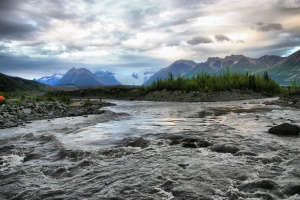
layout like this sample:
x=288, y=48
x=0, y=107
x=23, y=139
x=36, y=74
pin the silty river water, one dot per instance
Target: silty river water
x=216, y=150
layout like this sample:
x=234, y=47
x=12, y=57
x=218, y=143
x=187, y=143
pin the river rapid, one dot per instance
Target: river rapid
x=215, y=150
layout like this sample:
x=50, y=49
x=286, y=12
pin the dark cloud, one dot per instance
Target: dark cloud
x=25, y=19
x=12, y=23
x=288, y=6
x=269, y=27
x=16, y=30
x=222, y=38
x=199, y=40
x=280, y=48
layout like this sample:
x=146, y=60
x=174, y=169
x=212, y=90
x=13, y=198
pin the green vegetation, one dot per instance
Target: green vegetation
x=50, y=97
x=18, y=97
x=14, y=84
x=88, y=102
x=294, y=88
x=3, y=102
x=226, y=81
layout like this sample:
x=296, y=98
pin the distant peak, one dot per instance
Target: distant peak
x=188, y=62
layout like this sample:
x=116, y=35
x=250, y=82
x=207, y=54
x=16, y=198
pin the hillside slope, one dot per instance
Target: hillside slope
x=11, y=84
x=178, y=67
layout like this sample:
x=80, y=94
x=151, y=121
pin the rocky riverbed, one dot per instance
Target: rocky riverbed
x=287, y=101
x=13, y=115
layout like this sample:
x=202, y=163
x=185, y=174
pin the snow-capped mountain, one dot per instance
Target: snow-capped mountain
x=50, y=80
x=107, y=78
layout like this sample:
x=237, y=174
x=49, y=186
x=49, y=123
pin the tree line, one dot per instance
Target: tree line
x=226, y=81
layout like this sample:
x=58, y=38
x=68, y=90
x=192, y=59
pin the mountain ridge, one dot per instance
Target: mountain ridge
x=281, y=69
x=80, y=77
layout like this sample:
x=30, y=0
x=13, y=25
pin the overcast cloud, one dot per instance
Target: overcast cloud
x=39, y=38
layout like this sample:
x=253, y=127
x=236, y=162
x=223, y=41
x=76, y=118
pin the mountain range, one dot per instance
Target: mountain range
x=50, y=80
x=80, y=77
x=281, y=69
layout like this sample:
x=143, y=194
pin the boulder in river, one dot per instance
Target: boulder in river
x=224, y=148
x=285, y=129
x=140, y=142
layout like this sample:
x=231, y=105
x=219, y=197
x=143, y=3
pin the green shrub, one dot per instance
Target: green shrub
x=88, y=102
x=294, y=88
x=39, y=98
x=17, y=102
x=65, y=99
x=49, y=97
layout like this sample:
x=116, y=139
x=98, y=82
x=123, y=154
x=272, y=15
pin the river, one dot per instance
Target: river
x=89, y=157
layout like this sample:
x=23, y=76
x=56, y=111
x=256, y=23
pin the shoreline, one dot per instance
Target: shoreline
x=12, y=115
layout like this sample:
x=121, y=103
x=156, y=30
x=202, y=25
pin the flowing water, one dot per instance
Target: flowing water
x=89, y=158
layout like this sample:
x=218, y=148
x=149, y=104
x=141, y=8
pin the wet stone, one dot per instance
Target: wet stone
x=285, y=129
x=11, y=124
x=189, y=145
x=168, y=186
x=184, y=166
x=223, y=148
x=292, y=190
x=203, y=143
x=263, y=184
x=174, y=142
x=140, y=142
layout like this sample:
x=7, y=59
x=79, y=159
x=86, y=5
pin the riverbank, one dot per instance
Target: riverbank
x=141, y=94
x=287, y=101
x=195, y=96
x=13, y=115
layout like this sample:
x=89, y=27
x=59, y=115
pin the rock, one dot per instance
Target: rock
x=140, y=142
x=189, y=145
x=32, y=156
x=6, y=115
x=27, y=111
x=285, y=129
x=1, y=118
x=168, y=185
x=190, y=140
x=183, y=165
x=223, y=148
x=203, y=143
x=263, y=184
x=175, y=142
x=11, y=124
x=292, y=190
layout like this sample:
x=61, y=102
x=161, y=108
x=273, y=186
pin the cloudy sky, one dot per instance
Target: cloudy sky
x=39, y=38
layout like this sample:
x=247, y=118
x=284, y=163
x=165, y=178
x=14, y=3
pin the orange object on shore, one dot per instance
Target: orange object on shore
x=2, y=98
